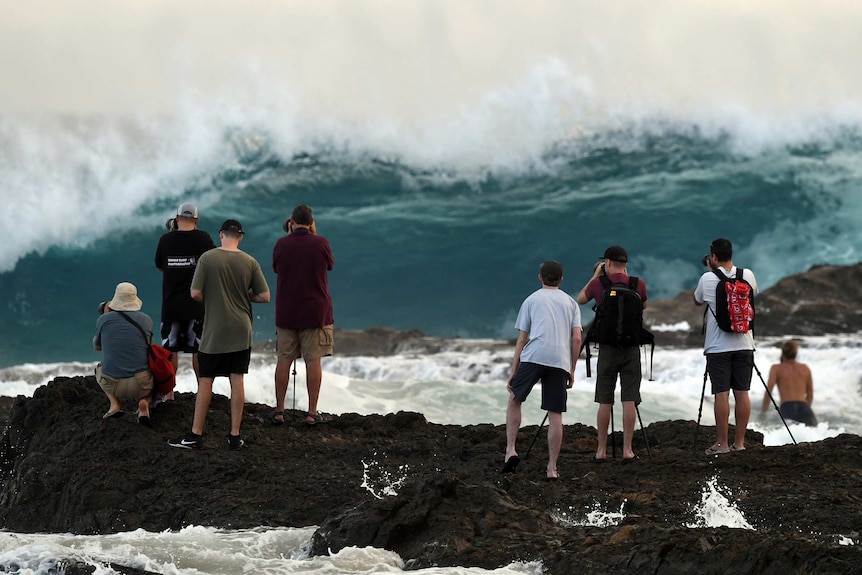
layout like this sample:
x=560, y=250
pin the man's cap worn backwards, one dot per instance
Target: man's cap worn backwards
x=232, y=226
x=187, y=210
x=615, y=254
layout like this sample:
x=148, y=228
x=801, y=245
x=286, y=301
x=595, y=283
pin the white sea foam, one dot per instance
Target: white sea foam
x=470, y=387
x=716, y=509
x=204, y=550
x=594, y=516
x=132, y=126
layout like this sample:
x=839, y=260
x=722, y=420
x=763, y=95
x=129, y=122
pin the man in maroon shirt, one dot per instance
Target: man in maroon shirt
x=303, y=309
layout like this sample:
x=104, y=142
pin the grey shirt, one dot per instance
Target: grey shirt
x=124, y=351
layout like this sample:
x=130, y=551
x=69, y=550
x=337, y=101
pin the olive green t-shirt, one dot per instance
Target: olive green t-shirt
x=226, y=278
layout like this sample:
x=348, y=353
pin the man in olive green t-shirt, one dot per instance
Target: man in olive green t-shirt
x=227, y=281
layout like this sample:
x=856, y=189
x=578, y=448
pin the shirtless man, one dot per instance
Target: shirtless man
x=795, y=386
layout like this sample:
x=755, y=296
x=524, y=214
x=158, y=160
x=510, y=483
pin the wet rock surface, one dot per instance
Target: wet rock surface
x=432, y=493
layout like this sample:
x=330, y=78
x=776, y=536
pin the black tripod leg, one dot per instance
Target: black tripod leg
x=766, y=387
x=643, y=431
x=526, y=455
x=700, y=410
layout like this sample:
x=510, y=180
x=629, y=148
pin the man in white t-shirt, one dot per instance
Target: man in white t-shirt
x=549, y=341
x=729, y=356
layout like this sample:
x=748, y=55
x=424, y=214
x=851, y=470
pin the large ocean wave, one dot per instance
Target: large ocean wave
x=445, y=161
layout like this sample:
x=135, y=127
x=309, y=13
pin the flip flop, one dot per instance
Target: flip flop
x=511, y=464
x=713, y=451
x=627, y=460
x=113, y=414
x=315, y=418
x=273, y=415
x=599, y=459
x=735, y=448
x=145, y=420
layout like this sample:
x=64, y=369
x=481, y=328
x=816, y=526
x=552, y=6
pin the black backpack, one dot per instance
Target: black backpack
x=734, y=303
x=619, y=319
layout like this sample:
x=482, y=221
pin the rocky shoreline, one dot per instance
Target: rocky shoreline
x=64, y=469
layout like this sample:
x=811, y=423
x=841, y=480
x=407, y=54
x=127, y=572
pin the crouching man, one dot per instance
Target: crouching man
x=124, y=371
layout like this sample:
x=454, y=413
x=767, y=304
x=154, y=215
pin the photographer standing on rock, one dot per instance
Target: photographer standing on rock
x=617, y=359
x=549, y=341
x=227, y=281
x=303, y=309
x=729, y=354
x=176, y=257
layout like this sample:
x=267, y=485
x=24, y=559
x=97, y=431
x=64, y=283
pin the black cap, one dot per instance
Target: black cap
x=615, y=254
x=232, y=226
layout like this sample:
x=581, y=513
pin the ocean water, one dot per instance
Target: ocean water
x=447, y=148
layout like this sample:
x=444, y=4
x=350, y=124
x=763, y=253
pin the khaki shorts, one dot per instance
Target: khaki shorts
x=136, y=387
x=308, y=343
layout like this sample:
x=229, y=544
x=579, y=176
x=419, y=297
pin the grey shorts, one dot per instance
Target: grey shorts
x=614, y=362
x=553, y=380
x=309, y=343
x=730, y=370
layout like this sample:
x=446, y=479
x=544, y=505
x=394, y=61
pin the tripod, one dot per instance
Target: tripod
x=643, y=432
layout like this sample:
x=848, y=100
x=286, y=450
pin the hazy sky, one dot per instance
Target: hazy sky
x=366, y=57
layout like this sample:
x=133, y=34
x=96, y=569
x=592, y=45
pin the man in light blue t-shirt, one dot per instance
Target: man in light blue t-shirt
x=549, y=341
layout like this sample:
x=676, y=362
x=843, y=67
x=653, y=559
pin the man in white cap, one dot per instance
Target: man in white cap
x=176, y=257
x=124, y=371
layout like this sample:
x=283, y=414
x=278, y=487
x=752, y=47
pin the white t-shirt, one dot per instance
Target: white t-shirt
x=548, y=316
x=718, y=340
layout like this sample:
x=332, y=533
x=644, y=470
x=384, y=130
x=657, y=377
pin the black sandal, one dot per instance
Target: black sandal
x=273, y=415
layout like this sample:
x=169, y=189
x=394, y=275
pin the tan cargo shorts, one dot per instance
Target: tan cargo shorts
x=308, y=343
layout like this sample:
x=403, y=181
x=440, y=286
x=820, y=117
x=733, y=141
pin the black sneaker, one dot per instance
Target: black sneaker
x=188, y=441
x=235, y=441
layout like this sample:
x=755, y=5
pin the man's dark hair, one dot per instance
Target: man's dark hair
x=302, y=215
x=722, y=249
x=551, y=272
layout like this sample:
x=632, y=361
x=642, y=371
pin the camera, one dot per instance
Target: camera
x=705, y=261
x=171, y=225
x=101, y=307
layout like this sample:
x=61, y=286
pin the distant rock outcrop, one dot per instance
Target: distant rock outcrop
x=432, y=493
x=826, y=299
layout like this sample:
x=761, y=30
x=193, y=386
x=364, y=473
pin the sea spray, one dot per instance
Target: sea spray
x=595, y=515
x=716, y=509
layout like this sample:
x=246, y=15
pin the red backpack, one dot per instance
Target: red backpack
x=734, y=303
x=159, y=358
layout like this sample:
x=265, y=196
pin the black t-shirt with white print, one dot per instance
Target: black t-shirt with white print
x=177, y=255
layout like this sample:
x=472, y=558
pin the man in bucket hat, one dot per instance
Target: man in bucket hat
x=124, y=371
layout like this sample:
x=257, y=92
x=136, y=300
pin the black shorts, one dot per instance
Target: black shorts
x=554, y=382
x=183, y=335
x=730, y=370
x=223, y=364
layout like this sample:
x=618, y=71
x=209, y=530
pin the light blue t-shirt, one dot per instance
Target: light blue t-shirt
x=124, y=351
x=718, y=340
x=549, y=316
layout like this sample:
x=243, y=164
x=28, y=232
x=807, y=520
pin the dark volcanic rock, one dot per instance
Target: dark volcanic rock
x=824, y=300
x=432, y=493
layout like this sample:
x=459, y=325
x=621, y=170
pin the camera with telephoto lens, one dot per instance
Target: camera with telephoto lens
x=101, y=307
x=171, y=225
x=705, y=261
